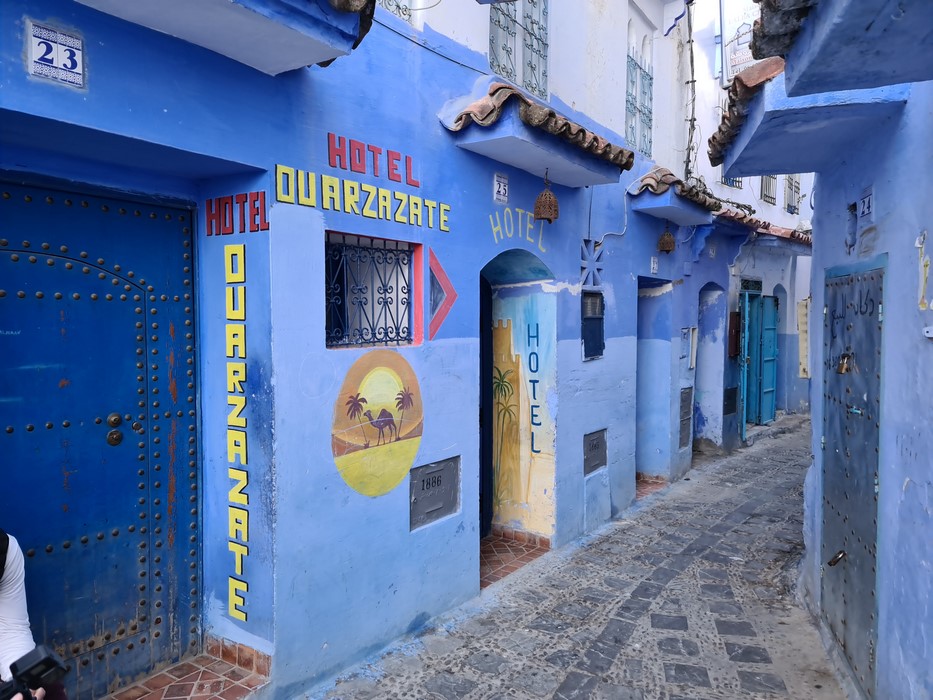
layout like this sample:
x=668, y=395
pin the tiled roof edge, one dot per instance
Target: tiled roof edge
x=741, y=90
x=761, y=226
x=660, y=179
x=487, y=110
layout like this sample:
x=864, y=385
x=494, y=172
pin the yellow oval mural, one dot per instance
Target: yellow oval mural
x=378, y=419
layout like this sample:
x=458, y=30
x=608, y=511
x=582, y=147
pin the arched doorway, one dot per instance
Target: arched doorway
x=518, y=337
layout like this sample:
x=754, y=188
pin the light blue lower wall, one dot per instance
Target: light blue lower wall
x=594, y=395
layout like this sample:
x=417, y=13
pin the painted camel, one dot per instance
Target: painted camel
x=385, y=420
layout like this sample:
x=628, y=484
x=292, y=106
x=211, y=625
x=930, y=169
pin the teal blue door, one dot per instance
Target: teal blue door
x=767, y=385
x=99, y=434
x=758, y=360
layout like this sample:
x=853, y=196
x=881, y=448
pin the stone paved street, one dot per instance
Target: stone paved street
x=688, y=596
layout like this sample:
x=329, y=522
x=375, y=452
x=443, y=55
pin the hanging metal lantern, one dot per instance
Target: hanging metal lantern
x=666, y=242
x=546, y=203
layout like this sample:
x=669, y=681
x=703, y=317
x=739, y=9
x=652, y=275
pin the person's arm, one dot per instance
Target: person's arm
x=37, y=694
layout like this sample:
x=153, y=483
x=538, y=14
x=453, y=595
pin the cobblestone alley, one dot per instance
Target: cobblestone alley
x=690, y=595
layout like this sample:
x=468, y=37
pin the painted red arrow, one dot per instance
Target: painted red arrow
x=450, y=294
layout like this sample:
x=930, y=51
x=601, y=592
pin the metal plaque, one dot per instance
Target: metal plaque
x=686, y=415
x=730, y=400
x=594, y=451
x=435, y=491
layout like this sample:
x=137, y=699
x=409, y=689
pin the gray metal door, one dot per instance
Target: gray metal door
x=851, y=406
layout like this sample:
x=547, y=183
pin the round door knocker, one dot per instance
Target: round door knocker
x=114, y=419
x=114, y=437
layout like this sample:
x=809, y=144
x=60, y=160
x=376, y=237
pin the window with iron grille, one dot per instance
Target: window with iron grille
x=518, y=43
x=592, y=325
x=769, y=188
x=638, y=104
x=792, y=194
x=735, y=182
x=367, y=291
x=399, y=9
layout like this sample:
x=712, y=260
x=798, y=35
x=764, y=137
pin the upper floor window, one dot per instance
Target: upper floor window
x=730, y=181
x=769, y=189
x=368, y=291
x=518, y=43
x=639, y=84
x=792, y=194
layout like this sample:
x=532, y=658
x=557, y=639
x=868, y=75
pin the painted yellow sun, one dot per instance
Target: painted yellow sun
x=378, y=419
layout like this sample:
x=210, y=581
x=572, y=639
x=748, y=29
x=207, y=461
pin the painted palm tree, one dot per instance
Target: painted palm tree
x=355, y=404
x=502, y=392
x=403, y=401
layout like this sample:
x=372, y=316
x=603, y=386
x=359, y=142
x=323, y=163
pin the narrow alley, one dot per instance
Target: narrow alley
x=689, y=595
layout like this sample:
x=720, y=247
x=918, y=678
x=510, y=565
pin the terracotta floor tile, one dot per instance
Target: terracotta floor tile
x=235, y=692
x=183, y=669
x=134, y=693
x=220, y=667
x=254, y=681
x=159, y=681
x=178, y=690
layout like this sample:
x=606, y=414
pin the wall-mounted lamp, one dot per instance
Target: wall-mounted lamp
x=546, y=203
x=666, y=242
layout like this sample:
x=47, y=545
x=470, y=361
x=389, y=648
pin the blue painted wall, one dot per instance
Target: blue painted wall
x=331, y=574
x=905, y=499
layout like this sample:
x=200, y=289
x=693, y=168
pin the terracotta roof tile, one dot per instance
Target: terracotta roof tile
x=487, y=110
x=763, y=227
x=743, y=88
x=659, y=180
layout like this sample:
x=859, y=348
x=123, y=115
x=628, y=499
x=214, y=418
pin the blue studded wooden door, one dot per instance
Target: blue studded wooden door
x=852, y=331
x=99, y=433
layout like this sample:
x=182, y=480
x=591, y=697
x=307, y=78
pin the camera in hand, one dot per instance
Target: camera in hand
x=39, y=668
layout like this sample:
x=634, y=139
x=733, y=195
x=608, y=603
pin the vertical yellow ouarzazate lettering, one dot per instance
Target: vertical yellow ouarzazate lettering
x=235, y=599
x=236, y=340
x=235, y=417
x=237, y=492
x=236, y=446
x=236, y=351
x=236, y=375
x=236, y=303
x=235, y=263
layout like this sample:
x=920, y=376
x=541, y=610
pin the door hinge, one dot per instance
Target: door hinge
x=880, y=313
x=823, y=442
x=825, y=310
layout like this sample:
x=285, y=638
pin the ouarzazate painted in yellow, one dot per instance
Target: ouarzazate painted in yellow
x=378, y=421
